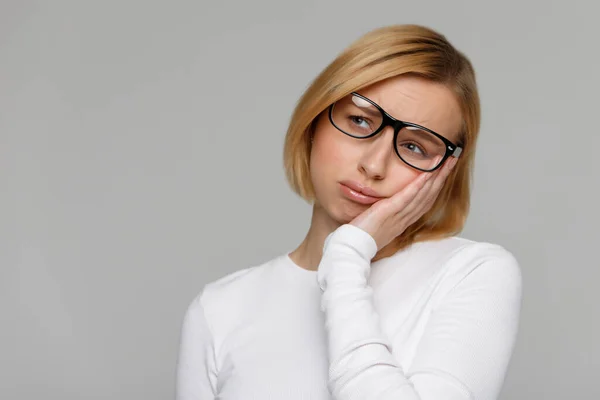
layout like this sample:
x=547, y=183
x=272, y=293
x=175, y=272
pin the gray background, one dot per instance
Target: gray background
x=140, y=157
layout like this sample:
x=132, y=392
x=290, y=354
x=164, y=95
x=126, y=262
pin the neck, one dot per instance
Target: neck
x=308, y=254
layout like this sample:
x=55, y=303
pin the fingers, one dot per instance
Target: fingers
x=426, y=196
x=420, y=192
x=443, y=172
x=403, y=198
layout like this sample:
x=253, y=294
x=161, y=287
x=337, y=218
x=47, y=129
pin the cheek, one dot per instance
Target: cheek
x=331, y=151
x=330, y=160
x=327, y=152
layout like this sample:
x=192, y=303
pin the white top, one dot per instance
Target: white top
x=435, y=321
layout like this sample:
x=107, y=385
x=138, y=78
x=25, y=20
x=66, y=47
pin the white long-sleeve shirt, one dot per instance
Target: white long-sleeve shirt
x=435, y=321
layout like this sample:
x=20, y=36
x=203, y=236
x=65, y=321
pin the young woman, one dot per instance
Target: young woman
x=381, y=300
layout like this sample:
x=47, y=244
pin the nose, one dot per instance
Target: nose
x=378, y=150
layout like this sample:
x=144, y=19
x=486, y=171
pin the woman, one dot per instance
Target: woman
x=380, y=300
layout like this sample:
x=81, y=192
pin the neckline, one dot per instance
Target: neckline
x=295, y=268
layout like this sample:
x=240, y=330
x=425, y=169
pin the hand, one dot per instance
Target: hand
x=388, y=218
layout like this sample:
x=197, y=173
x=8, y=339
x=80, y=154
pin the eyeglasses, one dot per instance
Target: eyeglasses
x=419, y=147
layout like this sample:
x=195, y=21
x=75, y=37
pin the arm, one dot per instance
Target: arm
x=196, y=371
x=466, y=345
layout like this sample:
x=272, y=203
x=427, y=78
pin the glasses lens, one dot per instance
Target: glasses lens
x=420, y=148
x=355, y=116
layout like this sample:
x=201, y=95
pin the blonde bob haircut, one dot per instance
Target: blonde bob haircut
x=381, y=54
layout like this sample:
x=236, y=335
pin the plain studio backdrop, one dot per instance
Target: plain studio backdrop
x=141, y=157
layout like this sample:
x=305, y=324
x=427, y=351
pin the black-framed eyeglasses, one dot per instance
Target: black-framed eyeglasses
x=419, y=147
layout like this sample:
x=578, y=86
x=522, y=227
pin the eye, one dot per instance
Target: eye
x=414, y=148
x=359, y=121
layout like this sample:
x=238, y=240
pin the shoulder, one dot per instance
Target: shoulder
x=496, y=260
x=225, y=299
x=463, y=261
x=462, y=255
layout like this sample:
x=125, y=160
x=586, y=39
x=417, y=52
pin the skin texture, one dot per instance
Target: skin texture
x=407, y=193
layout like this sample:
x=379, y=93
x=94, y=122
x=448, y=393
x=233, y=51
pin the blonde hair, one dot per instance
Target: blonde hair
x=380, y=54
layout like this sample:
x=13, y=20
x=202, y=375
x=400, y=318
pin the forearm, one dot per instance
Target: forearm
x=361, y=363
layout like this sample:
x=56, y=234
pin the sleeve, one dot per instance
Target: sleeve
x=467, y=342
x=196, y=367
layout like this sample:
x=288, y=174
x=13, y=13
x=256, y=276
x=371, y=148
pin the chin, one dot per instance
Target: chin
x=343, y=211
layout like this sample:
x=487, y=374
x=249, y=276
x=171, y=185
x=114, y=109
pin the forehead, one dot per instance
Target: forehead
x=417, y=100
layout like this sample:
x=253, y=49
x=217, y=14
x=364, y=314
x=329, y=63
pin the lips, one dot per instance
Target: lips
x=356, y=192
x=360, y=188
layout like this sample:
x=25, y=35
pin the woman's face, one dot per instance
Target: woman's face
x=373, y=163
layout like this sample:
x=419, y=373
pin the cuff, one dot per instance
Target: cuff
x=347, y=254
x=354, y=237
